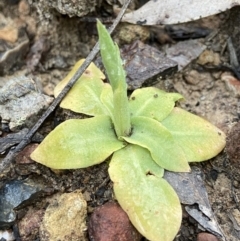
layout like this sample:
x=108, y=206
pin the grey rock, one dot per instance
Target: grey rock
x=17, y=194
x=144, y=64
x=21, y=103
x=70, y=7
x=192, y=192
x=185, y=52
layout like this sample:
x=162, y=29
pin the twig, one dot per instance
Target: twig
x=233, y=55
x=94, y=20
x=7, y=161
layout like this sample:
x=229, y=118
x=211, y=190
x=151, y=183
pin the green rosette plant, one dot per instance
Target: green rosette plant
x=144, y=133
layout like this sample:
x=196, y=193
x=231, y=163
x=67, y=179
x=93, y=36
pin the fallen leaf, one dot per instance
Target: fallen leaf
x=172, y=11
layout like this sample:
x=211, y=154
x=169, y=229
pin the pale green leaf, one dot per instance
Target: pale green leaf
x=146, y=164
x=150, y=202
x=111, y=59
x=158, y=140
x=78, y=143
x=121, y=115
x=107, y=98
x=84, y=96
x=152, y=102
x=113, y=64
x=199, y=139
x=150, y=134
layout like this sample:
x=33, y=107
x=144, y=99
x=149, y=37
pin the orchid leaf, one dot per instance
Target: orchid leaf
x=78, y=143
x=152, y=102
x=121, y=114
x=199, y=139
x=107, y=98
x=84, y=97
x=111, y=59
x=150, y=202
x=113, y=64
x=150, y=134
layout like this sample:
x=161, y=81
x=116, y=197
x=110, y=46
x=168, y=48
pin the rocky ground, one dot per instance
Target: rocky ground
x=40, y=41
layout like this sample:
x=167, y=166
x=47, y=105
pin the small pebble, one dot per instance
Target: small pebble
x=192, y=77
x=65, y=218
x=236, y=184
x=7, y=235
x=30, y=223
x=209, y=57
x=24, y=8
x=232, y=84
x=110, y=223
x=206, y=237
x=233, y=145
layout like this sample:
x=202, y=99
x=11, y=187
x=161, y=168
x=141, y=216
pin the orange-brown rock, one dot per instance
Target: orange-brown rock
x=110, y=223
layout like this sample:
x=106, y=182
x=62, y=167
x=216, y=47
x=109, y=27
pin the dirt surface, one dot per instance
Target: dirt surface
x=57, y=42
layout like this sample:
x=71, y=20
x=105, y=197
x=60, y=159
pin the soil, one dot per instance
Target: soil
x=61, y=41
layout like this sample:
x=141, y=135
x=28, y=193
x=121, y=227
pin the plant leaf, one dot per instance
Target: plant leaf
x=150, y=202
x=199, y=139
x=113, y=64
x=152, y=135
x=78, y=143
x=152, y=102
x=84, y=96
x=107, y=98
x=111, y=59
x=121, y=114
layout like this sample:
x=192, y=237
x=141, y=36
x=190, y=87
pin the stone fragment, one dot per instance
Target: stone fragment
x=192, y=192
x=27, y=18
x=209, y=57
x=20, y=102
x=234, y=216
x=38, y=49
x=192, y=77
x=128, y=33
x=185, y=52
x=72, y=8
x=23, y=7
x=9, y=34
x=232, y=84
x=233, y=145
x=7, y=235
x=29, y=225
x=206, y=237
x=65, y=218
x=144, y=64
x=16, y=194
x=198, y=80
x=110, y=223
x=13, y=45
